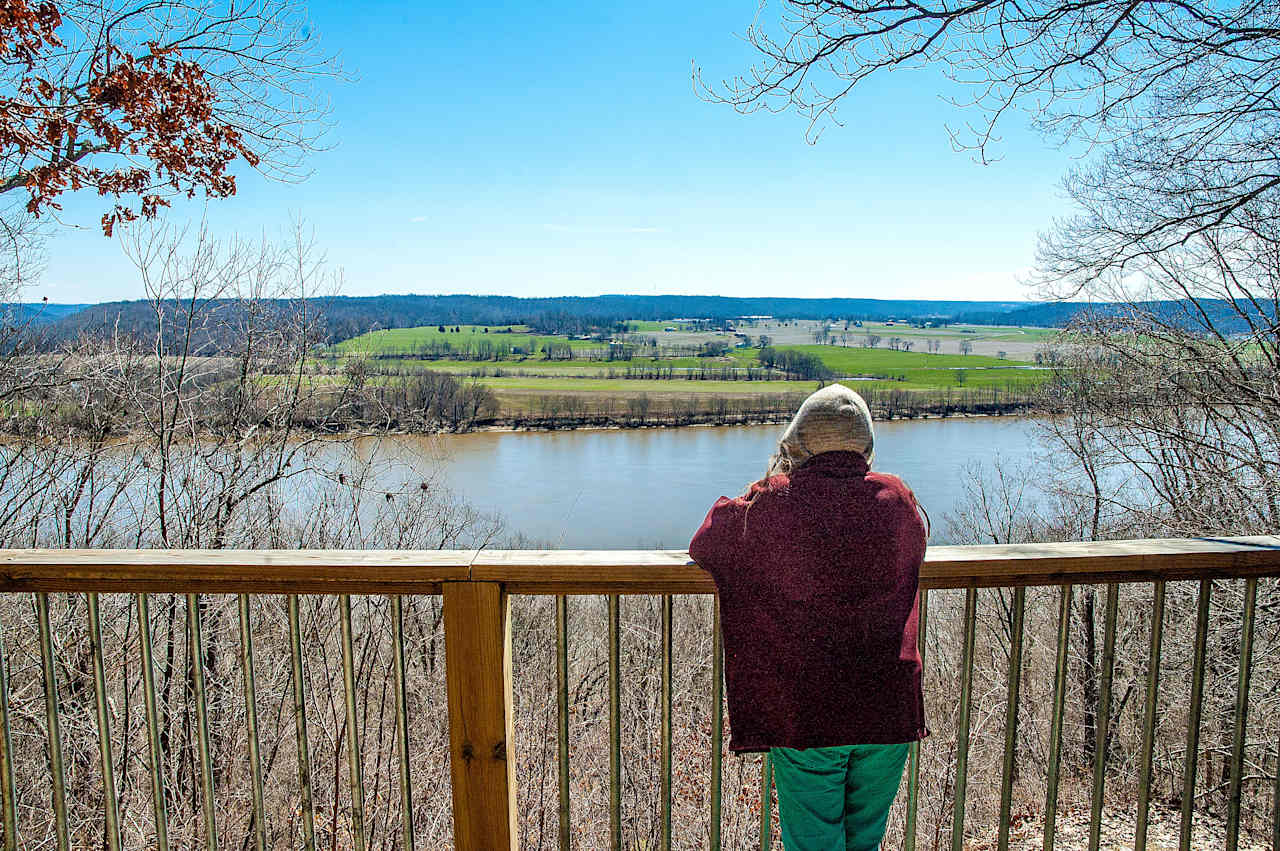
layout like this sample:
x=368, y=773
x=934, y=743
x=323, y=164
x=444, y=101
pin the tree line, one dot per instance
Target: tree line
x=796, y=364
x=344, y=317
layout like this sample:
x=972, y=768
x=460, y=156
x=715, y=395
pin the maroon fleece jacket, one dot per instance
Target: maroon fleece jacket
x=818, y=577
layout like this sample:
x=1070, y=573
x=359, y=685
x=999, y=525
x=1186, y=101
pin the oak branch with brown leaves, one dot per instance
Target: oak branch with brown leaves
x=141, y=102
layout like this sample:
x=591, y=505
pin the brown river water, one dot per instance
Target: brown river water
x=650, y=488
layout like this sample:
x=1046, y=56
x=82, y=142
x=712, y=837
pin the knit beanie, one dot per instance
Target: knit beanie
x=833, y=419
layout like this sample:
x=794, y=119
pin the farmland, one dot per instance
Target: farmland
x=694, y=366
x=1016, y=341
x=410, y=340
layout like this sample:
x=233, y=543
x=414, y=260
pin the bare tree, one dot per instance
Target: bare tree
x=1176, y=100
x=138, y=102
x=1103, y=70
x=21, y=260
x=142, y=101
x=1173, y=386
x=1192, y=417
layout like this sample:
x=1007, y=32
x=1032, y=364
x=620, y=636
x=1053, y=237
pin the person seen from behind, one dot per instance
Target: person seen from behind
x=817, y=568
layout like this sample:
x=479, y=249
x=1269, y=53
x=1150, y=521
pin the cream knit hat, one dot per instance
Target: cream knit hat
x=834, y=419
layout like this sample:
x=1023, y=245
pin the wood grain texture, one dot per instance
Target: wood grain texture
x=233, y=571
x=481, y=735
x=1009, y=565
x=1101, y=562
x=600, y=571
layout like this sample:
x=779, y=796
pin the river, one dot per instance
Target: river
x=647, y=488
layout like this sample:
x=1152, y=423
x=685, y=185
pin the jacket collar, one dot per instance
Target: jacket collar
x=834, y=464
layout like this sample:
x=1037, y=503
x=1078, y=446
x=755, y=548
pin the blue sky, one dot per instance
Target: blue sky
x=559, y=149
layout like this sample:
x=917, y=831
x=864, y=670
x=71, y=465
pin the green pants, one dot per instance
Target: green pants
x=836, y=799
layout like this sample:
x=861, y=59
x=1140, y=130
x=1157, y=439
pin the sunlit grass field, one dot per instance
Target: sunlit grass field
x=851, y=360
x=407, y=340
x=537, y=364
x=526, y=375
x=915, y=380
x=633, y=387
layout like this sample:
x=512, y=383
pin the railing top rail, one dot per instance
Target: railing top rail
x=599, y=571
x=234, y=571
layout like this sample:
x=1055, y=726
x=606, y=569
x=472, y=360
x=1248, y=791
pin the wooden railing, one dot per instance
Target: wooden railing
x=476, y=587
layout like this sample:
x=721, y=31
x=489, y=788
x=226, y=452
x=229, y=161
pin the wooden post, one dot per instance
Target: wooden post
x=478, y=675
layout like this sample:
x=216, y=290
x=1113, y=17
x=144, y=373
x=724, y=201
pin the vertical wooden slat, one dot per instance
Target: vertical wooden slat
x=1055, y=724
x=1149, y=716
x=766, y=802
x=49, y=670
x=1275, y=805
x=717, y=724
x=300, y=726
x=615, y=723
x=913, y=772
x=665, y=745
x=962, y=726
x=155, y=764
x=8, y=793
x=251, y=724
x=355, y=759
x=1103, y=728
x=1241, y=714
x=110, y=804
x=478, y=673
x=562, y=716
x=195, y=646
x=1193, y=717
x=402, y=723
x=1011, y=715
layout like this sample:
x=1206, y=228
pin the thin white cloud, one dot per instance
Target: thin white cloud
x=417, y=219
x=602, y=229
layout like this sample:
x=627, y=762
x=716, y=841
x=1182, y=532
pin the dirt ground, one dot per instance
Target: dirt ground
x=1072, y=832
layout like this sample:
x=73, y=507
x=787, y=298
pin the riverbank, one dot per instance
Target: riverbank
x=440, y=403
x=524, y=423
x=567, y=412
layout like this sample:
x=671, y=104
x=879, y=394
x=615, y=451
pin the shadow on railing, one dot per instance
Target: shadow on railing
x=474, y=590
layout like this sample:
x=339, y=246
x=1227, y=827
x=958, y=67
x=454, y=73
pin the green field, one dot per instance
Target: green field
x=904, y=370
x=524, y=377
x=632, y=387
x=642, y=326
x=639, y=326
x=916, y=380
x=408, y=340
x=1009, y=333
x=850, y=360
x=541, y=366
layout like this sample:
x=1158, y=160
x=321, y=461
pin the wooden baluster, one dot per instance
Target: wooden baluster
x=477, y=632
x=1011, y=717
x=1241, y=715
x=1055, y=725
x=562, y=717
x=717, y=725
x=1149, y=717
x=913, y=770
x=1193, y=718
